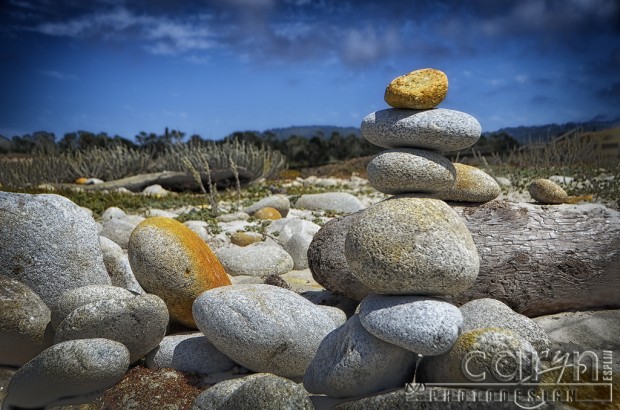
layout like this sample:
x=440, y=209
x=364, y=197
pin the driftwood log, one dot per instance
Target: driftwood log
x=173, y=181
x=542, y=259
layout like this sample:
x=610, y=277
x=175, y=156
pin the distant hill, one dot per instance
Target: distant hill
x=5, y=143
x=542, y=133
x=312, y=131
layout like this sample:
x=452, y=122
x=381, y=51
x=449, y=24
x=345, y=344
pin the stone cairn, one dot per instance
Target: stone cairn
x=410, y=251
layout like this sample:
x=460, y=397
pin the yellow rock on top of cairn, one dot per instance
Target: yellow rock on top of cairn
x=172, y=262
x=418, y=90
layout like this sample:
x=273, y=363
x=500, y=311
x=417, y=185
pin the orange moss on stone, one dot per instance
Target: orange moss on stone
x=200, y=271
x=268, y=213
x=419, y=90
x=81, y=181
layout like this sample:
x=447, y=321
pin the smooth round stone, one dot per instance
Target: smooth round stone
x=338, y=315
x=259, y=260
x=155, y=190
x=236, y=216
x=119, y=229
x=257, y=391
x=418, y=90
x=172, y=262
x=117, y=263
x=427, y=326
x=245, y=238
x=493, y=354
x=274, y=330
x=74, y=298
x=49, y=244
x=189, y=352
x=471, y=185
x=24, y=320
x=438, y=129
x=139, y=323
x=71, y=372
x=330, y=201
x=481, y=313
x=285, y=229
x=412, y=246
x=406, y=170
x=352, y=362
x=297, y=246
x=327, y=261
x=546, y=191
x=267, y=213
x=279, y=202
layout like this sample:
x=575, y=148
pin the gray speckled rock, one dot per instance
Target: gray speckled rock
x=24, y=320
x=546, y=191
x=200, y=228
x=330, y=201
x=327, y=262
x=258, y=259
x=481, y=313
x=406, y=170
x=471, y=185
x=297, y=246
x=139, y=323
x=352, y=362
x=481, y=355
x=279, y=202
x=414, y=246
x=49, y=244
x=119, y=229
x=235, y=216
x=257, y=391
x=338, y=315
x=275, y=330
x=437, y=129
x=113, y=212
x=71, y=372
x=285, y=228
x=117, y=264
x=74, y=298
x=424, y=325
x=189, y=352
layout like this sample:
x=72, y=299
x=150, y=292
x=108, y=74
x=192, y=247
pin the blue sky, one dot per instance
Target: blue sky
x=212, y=67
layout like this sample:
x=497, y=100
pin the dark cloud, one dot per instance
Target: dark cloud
x=610, y=94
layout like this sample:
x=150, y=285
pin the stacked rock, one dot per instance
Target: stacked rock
x=405, y=249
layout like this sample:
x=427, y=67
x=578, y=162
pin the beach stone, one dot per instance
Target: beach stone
x=74, y=298
x=471, y=185
x=139, y=323
x=5, y=377
x=113, y=212
x=488, y=355
x=418, y=90
x=200, y=228
x=155, y=190
x=279, y=202
x=236, y=216
x=275, y=330
x=160, y=212
x=143, y=388
x=561, y=179
x=297, y=246
x=327, y=262
x=71, y=372
x=189, y=352
x=117, y=264
x=257, y=391
x=414, y=246
x=172, y=262
x=81, y=181
x=424, y=325
x=547, y=192
x=482, y=313
x=284, y=229
x=337, y=314
x=119, y=229
x=259, y=259
x=438, y=129
x=49, y=244
x=267, y=213
x=406, y=170
x=352, y=362
x=330, y=201
x=245, y=238
x=503, y=181
x=24, y=320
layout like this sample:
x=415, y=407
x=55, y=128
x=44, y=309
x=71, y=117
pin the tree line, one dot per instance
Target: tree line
x=299, y=151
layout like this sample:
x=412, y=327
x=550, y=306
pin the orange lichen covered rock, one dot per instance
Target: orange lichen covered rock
x=81, y=181
x=245, y=238
x=418, y=90
x=171, y=261
x=268, y=213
